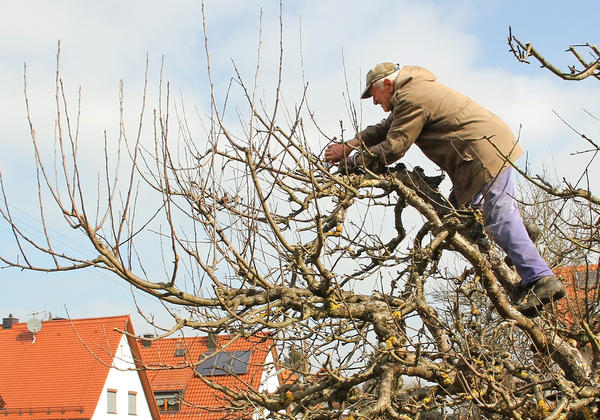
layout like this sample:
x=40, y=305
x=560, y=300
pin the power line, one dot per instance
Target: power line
x=66, y=242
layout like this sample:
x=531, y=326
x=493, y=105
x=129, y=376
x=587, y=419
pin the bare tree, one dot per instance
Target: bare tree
x=257, y=235
x=566, y=229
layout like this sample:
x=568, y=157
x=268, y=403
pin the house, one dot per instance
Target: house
x=73, y=369
x=582, y=301
x=180, y=370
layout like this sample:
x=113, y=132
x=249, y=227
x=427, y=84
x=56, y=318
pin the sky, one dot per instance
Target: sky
x=462, y=42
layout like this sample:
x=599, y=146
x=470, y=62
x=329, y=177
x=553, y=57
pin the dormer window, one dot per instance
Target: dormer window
x=169, y=401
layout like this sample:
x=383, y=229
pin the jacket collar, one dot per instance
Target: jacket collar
x=406, y=75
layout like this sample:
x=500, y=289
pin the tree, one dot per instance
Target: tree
x=258, y=235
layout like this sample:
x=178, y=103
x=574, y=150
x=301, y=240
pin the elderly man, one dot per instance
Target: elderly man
x=470, y=144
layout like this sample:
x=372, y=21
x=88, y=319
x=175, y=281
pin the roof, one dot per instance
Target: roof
x=168, y=372
x=61, y=371
x=582, y=290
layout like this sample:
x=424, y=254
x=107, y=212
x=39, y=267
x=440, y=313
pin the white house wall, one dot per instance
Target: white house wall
x=269, y=381
x=124, y=378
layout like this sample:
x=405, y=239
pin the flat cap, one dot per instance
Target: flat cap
x=378, y=72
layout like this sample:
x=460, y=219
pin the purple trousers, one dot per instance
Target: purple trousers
x=503, y=223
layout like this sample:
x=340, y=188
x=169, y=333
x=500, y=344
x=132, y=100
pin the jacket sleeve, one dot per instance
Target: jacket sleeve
x=375, y=134
x=405, y=124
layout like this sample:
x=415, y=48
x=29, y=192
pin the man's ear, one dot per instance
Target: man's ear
x=388, y=83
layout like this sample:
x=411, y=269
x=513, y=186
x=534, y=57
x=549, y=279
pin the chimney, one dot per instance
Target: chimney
x=7, y=323
x=212, y=341
x=147, y=343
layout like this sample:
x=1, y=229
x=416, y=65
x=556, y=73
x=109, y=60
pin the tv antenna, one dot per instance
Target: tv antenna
x=34, y=325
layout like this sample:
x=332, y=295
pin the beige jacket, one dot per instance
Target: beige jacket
x=450, y=128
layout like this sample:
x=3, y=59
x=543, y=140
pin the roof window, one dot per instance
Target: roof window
x=168, y=401
x=586, y=278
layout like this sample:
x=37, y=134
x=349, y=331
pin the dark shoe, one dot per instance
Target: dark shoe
x=542, y=292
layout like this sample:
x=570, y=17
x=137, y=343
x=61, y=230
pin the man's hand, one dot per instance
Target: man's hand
x=336, y=152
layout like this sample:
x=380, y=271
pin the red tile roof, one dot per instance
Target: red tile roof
x=171, y=373
x=572, y=308
x=61, y=373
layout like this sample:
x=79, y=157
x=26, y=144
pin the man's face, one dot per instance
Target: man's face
x=383, y=95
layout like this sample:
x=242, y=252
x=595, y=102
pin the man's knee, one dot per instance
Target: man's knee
x=499, y=208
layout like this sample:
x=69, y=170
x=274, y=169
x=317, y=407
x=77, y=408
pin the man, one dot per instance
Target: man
x=470, y=144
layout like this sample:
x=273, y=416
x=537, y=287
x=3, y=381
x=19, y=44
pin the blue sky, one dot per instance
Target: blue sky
x=463, y=42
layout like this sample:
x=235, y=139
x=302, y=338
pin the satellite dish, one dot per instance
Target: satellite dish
x=34, y=325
